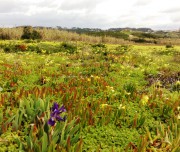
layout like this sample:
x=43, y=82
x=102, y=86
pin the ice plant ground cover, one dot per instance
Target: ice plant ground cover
x=89, y=97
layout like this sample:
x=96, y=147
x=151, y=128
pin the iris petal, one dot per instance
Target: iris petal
x=55, y=106
x=62, y=109
x=51, y=122
x=55, y=114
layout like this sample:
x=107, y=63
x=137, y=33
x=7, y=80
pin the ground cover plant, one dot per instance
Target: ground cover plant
x=76, y=96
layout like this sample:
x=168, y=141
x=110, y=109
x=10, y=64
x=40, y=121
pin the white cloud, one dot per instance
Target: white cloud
x=91, y=13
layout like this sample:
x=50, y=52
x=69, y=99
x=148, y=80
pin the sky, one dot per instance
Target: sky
x=104, y=14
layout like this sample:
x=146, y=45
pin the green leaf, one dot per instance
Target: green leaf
x=75, y=139
x=44, y=142
x=63, y=140
x=74, y=130
x=52, y=147
x=29, y=142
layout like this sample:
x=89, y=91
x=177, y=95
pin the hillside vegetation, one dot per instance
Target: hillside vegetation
x=113, y=35
x=81, y=96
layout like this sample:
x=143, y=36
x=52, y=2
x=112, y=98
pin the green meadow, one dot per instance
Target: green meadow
x=116, y=97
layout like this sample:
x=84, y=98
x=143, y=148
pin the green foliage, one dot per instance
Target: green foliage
x=115, y=96
x=176, y=86
x=30, y=33
x=169, y=46
x=68, y=48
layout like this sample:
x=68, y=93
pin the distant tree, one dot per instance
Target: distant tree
x=29, y=33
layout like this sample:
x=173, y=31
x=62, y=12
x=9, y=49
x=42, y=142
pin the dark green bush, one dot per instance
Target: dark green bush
x=169, y=46
x=36, y=35
x=68, y=48
x=141, y=40
x=29, y=33
x=100, y=45
x=7, y=49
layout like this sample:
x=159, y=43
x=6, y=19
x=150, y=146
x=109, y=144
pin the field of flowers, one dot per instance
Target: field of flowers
x=79, y=97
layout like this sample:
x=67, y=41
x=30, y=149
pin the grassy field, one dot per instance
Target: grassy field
x=113, y=97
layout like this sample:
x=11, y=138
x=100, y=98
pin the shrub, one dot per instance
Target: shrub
x=29, y=33
x=36, y=35
x=68, y=47
x=21, y=47
x=169, y=46
x=7, y=49
x=99, y=48
x=121, y=49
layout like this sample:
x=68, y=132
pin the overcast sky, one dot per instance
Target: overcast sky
x=156, y=14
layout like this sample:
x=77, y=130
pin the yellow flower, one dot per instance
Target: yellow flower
x=110, y=88
x=103, y=106
x=177, y=82
x=178, y=117
x=43, y=51
x=127, y=93
x=144, y=100
x=97, y=77
x=121, y=107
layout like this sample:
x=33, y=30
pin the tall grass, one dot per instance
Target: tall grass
x=58, y=35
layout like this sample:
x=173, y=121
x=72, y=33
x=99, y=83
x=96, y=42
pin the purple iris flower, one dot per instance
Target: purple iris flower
x=55, y=114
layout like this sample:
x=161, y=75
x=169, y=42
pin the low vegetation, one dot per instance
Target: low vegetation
x=80, y=96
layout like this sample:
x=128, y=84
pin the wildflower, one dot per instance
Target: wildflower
x=104, y=105
x=127, y=93
x=110, y=88
x=121, y=107
x=177, y=82
x=97, y=77
x=144, y=99
x=178, y=117
x=55, y=114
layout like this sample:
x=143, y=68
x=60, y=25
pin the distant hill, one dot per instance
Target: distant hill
x=111, y=35
x=133, y=34
x=131, y=29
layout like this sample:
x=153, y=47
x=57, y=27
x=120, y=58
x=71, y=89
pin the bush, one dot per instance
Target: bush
x=29, y=33
x=36, y=35
x=99, y=48
x=68, y=48
x=121, y=49
x=100, y=45
x=21, y=47
x=7, y=49
x=169, y=46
